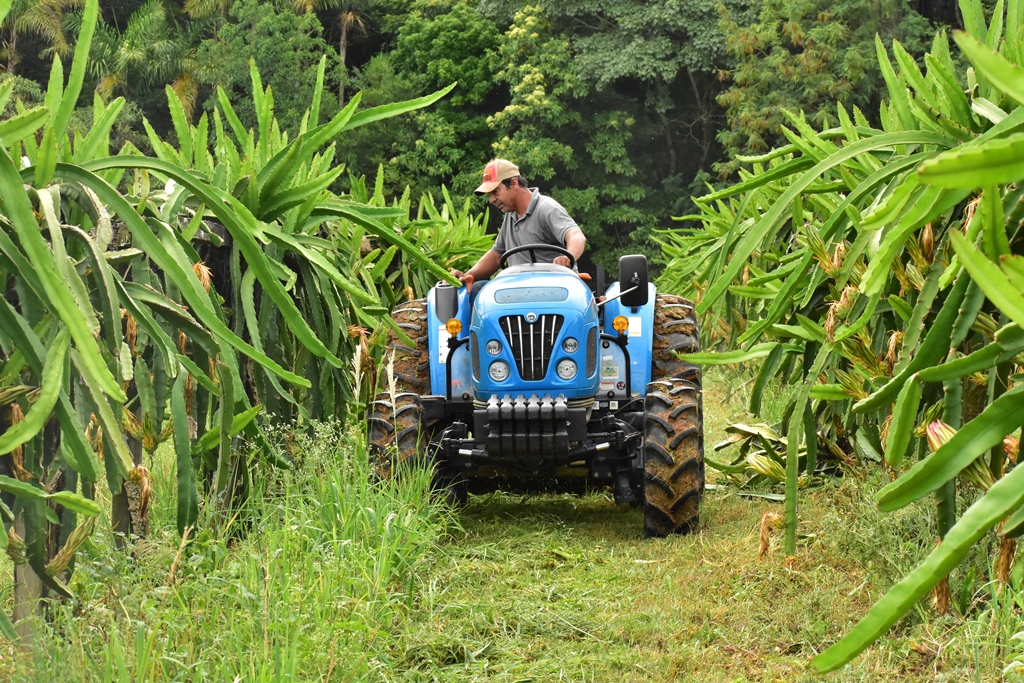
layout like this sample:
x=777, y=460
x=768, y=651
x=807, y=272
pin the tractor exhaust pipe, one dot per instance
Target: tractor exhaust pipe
x=446, y=302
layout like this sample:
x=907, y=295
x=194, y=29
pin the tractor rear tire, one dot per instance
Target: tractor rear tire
x=673, y=457
x=397, y=434
x=675, y=332
x=412, y=364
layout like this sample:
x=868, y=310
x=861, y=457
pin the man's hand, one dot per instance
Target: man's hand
x=575, y=243
x=465, y=278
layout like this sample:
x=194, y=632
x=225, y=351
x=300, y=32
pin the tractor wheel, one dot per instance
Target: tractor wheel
x=412, y=364
x=395, y=415
x=673, y=457
x=675, y=331
x=396, y=432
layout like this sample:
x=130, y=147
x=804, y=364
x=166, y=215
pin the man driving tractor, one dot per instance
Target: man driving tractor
x=530, y=218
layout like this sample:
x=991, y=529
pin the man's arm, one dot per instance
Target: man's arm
x=484, y=268
x=575, y=242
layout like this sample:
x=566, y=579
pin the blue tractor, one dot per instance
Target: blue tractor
x=542, y=383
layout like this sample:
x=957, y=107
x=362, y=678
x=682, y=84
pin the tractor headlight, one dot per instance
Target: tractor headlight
x=566, y=369
x=499, y=371
x=570, y=345
x=494, y=347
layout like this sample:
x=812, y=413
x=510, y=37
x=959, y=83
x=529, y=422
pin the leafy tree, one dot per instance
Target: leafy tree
x=216, y=10
x=667, y=53
x=351, y=15
x=43, y=18
x=538, y=68
x=287, y=48
x=578, y=145
x=805, y=55
x=454, y=139
x=562, y=128
x=435, y=46
x=151, y=51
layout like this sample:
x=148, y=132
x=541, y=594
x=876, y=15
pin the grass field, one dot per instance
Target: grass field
x=338, y=580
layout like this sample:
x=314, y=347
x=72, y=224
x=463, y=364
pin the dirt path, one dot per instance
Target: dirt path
x=562, y=588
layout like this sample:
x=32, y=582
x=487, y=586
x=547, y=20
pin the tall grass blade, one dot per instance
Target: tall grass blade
x=1006, y=496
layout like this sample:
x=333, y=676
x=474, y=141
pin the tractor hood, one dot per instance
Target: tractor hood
x=537, y=284
x=534, y=331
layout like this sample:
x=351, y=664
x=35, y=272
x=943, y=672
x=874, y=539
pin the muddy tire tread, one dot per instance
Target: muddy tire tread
x=673, y=457
x=675, y=332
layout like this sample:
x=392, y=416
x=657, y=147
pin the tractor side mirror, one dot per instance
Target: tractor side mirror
x=633, y=280
x=446, y=301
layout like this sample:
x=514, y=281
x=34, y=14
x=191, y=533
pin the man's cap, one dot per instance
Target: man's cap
x=496, y=171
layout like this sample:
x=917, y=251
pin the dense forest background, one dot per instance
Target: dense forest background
x=621, y=109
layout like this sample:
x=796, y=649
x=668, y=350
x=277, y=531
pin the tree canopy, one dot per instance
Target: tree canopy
x=620, y=109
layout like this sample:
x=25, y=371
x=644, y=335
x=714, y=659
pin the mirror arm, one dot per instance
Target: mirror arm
x=627, y=291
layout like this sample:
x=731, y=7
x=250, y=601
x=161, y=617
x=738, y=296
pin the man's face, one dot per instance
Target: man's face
x=501, y=198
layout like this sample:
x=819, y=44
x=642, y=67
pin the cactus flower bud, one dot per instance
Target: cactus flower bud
x=1011, y=445
x=16, y=548
x=979, y=474
x=59, y=564
x=204, y=274
x=939, y=434
x=928, y=243
x=766, y=466
x=915, y=277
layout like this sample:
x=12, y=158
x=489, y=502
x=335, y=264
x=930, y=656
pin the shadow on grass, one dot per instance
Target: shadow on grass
x=593, y=516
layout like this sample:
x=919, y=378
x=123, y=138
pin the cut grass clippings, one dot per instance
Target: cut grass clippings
x=336, y=579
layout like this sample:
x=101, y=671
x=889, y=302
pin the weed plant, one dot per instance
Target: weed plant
x=310, y=587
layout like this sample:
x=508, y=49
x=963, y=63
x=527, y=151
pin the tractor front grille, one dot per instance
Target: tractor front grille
x=531, y=343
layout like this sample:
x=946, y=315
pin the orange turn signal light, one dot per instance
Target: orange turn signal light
x=620, y=324
x=454, y=326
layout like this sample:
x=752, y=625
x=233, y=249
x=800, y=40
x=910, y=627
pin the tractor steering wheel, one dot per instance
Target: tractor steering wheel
x=533, y=256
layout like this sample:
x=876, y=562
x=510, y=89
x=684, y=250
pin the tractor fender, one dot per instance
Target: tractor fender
x=461, y=372
x=640, y=335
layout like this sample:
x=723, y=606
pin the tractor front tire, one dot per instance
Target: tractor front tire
x=673, y=457
x=396, y=432
x=675, y=332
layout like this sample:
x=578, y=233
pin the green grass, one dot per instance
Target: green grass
x=311, y=588
x=563, y=589
x=337, y=579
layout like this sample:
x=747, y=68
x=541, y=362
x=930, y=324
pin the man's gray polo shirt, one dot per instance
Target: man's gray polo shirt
x=545, y=222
